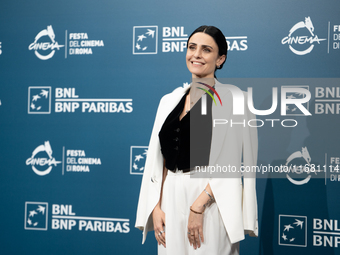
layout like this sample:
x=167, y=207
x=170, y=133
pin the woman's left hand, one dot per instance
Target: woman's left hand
x=195, y=228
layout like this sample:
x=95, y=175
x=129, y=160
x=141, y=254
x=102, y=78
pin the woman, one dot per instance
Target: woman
x=200, y=215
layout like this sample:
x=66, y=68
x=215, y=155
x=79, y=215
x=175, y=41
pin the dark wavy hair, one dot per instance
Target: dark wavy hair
x=219, y=38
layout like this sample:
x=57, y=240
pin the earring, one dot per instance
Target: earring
x=218, y=67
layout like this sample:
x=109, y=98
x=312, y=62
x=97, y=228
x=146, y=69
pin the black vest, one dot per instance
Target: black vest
x=186, y=143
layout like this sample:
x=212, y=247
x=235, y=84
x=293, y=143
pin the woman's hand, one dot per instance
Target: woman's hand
x=195, y=227
x=158, y=217
x=195, y=223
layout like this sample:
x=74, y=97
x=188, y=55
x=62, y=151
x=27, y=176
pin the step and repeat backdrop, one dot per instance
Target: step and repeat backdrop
x=80, y=82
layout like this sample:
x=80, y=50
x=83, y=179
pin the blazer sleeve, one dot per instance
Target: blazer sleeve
x=249, y=200
x=151, y=182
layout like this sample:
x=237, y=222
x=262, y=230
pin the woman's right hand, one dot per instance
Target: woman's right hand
x=158, y=217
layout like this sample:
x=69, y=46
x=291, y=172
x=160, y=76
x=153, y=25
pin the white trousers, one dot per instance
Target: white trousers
x=180, y=190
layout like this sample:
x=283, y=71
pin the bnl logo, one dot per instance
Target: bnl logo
x=39, y=100
x=36, y=215
x=293, y=230
x=137, y=159
x=145, y=39
x=294, y=100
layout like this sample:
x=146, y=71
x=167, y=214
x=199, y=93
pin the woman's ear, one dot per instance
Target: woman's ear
x=220, y=60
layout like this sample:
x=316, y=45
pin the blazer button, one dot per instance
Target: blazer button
x=176, y=148
x=176, y=139
x=177, y=129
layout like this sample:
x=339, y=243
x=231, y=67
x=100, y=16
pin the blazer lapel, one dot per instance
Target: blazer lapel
x=220, y=114
x=172, y=101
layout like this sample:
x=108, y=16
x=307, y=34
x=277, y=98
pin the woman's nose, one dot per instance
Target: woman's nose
x=197, y=53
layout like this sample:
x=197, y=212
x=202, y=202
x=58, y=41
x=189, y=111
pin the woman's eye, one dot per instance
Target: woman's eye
x=191, y=47
x=207, y=50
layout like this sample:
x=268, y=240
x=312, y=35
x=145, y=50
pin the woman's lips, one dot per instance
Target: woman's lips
x=197, y=63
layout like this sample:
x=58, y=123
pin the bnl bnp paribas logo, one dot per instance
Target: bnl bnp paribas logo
x=293, y=230
x=39, y=100
x=174, y=39
x=67, y=101
x=145, y=39
x=137, y=159
x=64, y=218
x=302, y=38
x=36, y=215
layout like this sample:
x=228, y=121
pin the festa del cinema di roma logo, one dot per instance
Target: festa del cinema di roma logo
x=45, y=44
x=42, y=165
x=295, y=41
x=41, y=45
x=74, y=161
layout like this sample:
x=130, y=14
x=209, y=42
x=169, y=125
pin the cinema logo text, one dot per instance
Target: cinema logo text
x=45, y=49
x=295, y=42
x=42, y=165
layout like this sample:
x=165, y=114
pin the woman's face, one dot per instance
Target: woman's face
x=202, y=56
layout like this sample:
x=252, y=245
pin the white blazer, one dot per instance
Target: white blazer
x=235, y=199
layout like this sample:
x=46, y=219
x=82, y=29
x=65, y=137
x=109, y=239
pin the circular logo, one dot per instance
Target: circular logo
x=45, y=46
x=306, y=168
x=302, y=40
x=46, y=163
